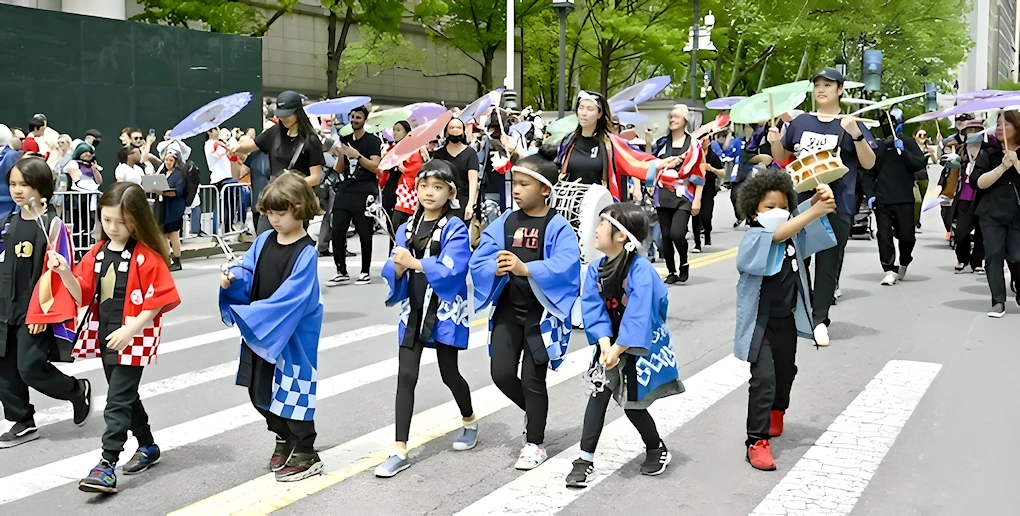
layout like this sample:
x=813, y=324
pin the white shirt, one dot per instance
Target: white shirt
x=129, y=174
x=219, y=163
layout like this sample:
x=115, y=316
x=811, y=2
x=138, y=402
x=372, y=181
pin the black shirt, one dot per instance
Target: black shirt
x=895, y=178
x=358, y=179
x=281, y=148
x=462, y=164
x=667, y=198
x=20, y=246
x=1002, y=200
x=711, y=187
x=112, y=289
x=779, y=291
x=524, y=242
x=586, y=162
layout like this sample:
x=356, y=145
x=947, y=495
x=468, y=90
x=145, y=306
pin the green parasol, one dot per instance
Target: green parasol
x=766, y=106
x=347, y=131
x=558, y=129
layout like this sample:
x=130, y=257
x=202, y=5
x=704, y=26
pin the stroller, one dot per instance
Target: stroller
x=863, y=225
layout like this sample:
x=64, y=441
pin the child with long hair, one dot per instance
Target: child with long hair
x=625, y=317
x=427, y=275
x=125, y=283
x=36, y=313
x=528, y=268
x=273, y=297
x=774, y=297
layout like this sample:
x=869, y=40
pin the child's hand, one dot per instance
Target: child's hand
x=120, y=338
x=611, y=357
x=507, y=262
x=56, y=262
x=226, y=280
x=823, y=191
x=36, y=329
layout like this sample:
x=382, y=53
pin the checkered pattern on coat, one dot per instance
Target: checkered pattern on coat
x=141, y=351
x=294, y=389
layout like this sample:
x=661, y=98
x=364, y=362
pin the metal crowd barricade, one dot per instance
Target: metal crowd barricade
x=78, y=210
x=233, y=209
x=200, y=218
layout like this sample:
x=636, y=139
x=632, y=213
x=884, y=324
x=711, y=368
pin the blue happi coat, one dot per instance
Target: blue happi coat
x=758, y=257
x=555, y=280
x=642, y=329
x=446, y=275
x=283, y=330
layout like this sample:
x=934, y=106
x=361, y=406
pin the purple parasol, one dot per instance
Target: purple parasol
x=642, y=91
x=210, y=115
x=724, y=104
x=478, y=107
x=1011, y=101
x=422, y=112
x=628, y=118
x=338, y=106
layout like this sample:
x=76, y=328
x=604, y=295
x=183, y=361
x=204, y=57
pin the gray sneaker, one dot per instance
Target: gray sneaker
x=391, y=467
x=466, y=439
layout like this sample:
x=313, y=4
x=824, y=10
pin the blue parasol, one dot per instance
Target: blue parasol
x=478, y=107
x=642, y=91
x=211, y=115
x=339, y=106
x=723, y=104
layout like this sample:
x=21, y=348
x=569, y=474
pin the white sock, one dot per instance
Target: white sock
x=470, y=423
x=590, y=457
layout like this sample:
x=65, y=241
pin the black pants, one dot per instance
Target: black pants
x=595, y=419
x=300, y=433
x=529, y=390
x=347, y=208
x=397, y=219
x=27, y=364
x=947, y=217
x=772, y=376
x=827, y=267
x=704, y=219
x=673, y=224
x=734, y=200
x=970, y=244
x=895, y=221
x=124, y=410
x=407, y=378
x=1002, y=243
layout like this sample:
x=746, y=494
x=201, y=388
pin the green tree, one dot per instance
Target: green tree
x=374, y=53
x=226, y=16
x=375, y=19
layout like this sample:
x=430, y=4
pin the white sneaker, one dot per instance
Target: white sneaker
x=901, y=273
x=363, y=279
x=532, y=455
x=339, y=279
x=890, y=279
x=822, y=335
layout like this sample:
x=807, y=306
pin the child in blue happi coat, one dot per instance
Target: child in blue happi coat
x=772, y=296
x=427, y=275
x=528, y=267
x=625, y=317
x=273, y=297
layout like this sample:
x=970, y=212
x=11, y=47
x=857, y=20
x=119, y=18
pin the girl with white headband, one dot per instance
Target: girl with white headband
x=625, y=317
x=528, y=268
x=427, y=276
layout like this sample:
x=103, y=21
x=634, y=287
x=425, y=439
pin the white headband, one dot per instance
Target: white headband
x=634, y=244
x=425, y=174
x=584, y=95
x=532, y=173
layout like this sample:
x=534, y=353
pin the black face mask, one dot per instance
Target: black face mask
x=456, y=138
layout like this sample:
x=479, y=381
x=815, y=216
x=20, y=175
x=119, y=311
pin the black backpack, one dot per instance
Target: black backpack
x=191, y=183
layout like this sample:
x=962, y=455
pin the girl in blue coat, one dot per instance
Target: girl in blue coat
x=625, y=317
x=773, y=296
x=427, y=276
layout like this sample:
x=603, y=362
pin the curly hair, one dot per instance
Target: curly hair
x=755, y=188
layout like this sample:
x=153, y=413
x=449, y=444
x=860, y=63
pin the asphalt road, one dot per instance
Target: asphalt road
x=909, y=411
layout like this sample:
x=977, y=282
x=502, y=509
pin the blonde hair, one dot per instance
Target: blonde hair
x=682, y=108
x=290, y=191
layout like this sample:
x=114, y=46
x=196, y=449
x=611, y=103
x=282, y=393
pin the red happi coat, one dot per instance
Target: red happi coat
x=407, y=194
x=149, y=286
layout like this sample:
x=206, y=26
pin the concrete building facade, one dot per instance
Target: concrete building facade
x=993, y=59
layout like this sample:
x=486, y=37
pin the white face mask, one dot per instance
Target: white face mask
x=772, y=219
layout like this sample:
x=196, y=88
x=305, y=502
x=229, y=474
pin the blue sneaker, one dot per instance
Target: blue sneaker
x=101, y=479
x=466, y=439
x=143, y=458
x=393, y=465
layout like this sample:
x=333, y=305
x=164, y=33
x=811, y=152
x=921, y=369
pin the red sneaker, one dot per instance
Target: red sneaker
x=776, y=422
x=759, y=455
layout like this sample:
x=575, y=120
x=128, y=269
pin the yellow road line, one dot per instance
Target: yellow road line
x=263, y=495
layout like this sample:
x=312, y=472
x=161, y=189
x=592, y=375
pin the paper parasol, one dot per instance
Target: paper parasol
x=887, y=103
x=983, y=94
x=628, y=118
x=347, y=130
x=478, y=107
x=520, y=129
x=422, y=112
x=338, y=106
x=723, y=104
x=808, y=87
x=621, y=105
x=974, y=106
x=642, y=91
x=211, y=115
x=765, y=106
x=415, y=140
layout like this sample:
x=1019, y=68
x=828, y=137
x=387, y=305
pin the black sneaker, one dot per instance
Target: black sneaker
x=339, y=279
x=708, y=240
x=300, y=466
x=175, y=264
x=363, y=279
x=671, y=279
x=578, y=476
x=656, y=461
x=325, y=254
x=1014, y=285
x=281, y=454
x=83, y=405
x=685, y=273
x=20, y=433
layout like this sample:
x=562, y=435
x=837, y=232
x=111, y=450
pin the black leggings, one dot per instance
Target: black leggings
x=970, y=243
x=407, y=378
x=346, y=209
x=595, y=419
x=673, y=224
x=704, y=219
x=528, y=392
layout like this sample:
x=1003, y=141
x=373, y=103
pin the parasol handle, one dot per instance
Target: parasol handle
x=893, y=128
x=500, y=118
x=772, y=112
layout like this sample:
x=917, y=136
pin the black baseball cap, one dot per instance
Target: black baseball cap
x=287, y=103
x=39, y=118
x=831, y=74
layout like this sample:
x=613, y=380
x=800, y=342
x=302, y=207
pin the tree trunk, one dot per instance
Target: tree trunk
x=764, y=71
x=336, y=49
x=737, y=60
x=488, y=55
x=605, y=60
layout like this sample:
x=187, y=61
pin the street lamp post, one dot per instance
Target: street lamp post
x=563, y=8
x=841, y=65
x=694, y=55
